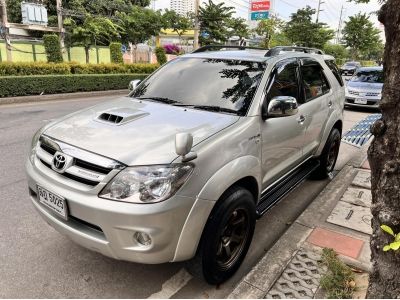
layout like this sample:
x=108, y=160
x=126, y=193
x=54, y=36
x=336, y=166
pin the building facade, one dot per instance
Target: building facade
x=182, y=7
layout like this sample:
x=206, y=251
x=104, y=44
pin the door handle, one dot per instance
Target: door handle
x=330, y=103
x=301, y=119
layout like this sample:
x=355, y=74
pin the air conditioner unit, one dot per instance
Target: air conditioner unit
x=34, y=14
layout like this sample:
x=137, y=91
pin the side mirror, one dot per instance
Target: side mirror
x=183, y=146
x=283, y=106
x=133, y=84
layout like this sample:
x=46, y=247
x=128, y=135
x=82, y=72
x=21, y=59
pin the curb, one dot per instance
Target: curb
x=66, y=96
x=262, y=277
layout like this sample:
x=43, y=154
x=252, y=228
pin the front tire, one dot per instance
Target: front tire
x=329, y=155
x=226, y=237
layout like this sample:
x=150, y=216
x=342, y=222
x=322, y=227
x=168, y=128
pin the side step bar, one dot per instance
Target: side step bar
x=285, y=186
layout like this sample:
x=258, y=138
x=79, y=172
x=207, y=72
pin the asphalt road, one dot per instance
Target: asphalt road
x=38, y=262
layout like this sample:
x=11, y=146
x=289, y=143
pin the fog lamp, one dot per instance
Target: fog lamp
x=142, y=238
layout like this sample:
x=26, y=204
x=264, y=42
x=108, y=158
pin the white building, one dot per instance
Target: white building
x=182, y=7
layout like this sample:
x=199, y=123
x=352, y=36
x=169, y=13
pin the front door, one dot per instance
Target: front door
x=282, y=138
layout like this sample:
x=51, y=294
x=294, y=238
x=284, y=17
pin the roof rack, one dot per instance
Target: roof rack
x=220, y=47
x=277, y=50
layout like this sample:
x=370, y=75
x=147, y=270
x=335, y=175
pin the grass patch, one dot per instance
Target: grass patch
x=338, y=282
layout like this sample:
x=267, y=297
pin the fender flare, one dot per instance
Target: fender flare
x=214, y=188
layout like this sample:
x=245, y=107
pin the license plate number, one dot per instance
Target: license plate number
x=360, y=101
x=53, y=202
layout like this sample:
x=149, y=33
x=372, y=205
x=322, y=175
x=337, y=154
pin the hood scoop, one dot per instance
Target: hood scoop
x=120, y=116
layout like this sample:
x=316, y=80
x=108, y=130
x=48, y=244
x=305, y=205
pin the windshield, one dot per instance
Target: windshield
x=229, y=84
x=350, y=64
x=370, y=76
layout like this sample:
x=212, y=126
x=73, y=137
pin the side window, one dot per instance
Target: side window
x=284, y=81
x=335, y=70
x=315, y=83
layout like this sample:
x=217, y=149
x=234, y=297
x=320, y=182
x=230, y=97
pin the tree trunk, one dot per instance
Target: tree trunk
x=87, y=49
x=384, y=157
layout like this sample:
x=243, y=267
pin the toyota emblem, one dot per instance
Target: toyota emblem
x=59, y=161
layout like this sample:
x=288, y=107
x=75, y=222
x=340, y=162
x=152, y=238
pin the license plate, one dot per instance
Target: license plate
x=53, y=202
x=361, y=101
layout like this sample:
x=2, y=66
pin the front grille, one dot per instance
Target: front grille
x=370, y=94
x=82, y=171
x=82, y=222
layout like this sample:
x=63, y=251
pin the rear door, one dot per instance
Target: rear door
x=318, y=101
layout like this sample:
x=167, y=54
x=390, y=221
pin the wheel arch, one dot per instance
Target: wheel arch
x=335, y=121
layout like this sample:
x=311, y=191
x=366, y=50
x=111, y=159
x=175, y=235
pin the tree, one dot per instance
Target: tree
x=360, y=34
x=338, y=51
x=139, y=25
x=214, y=22
x=267, y=29
x=178, y=23
x=302, y=31
x=384, y=158
x=238, y=27
x=93, y=31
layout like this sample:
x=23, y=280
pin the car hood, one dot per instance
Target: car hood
x=146, y=134
x=367, y=86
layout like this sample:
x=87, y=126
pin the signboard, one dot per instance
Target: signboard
x=261, y=15
x=259, y=9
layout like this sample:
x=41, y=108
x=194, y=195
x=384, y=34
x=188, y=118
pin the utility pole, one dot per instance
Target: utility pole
x=60, y=24
x=196, y=24
x=339, y=31
x=5, y=28
x=320, y=2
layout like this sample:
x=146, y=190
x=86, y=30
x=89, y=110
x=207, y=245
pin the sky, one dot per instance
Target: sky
x=284, y=8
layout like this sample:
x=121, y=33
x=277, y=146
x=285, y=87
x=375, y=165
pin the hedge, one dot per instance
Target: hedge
x=11, y=86
x=52, y=46
x=116, y=53
x=42, y=68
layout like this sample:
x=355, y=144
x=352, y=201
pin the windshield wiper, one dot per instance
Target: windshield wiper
x=159, y=99
x=210, y=108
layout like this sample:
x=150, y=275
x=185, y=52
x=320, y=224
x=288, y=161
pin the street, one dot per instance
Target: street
x=38, y=262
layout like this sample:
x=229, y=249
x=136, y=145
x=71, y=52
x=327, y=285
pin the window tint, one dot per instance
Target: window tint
x=315, y=83
x=335, y=70
x=285, y=82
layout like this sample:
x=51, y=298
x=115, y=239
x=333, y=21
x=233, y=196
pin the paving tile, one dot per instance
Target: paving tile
x=351, y=216
x=341, y=243
x=363, y=179
x=357, y=196
x=366, y=165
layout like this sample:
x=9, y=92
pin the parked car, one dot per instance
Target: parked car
x=183, y=167
x=349, y=68
x=365, y=87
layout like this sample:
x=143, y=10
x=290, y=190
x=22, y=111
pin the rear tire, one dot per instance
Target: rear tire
x=329, y=155
x=226, y=237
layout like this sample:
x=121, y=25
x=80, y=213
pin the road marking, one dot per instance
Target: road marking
x=172, y=285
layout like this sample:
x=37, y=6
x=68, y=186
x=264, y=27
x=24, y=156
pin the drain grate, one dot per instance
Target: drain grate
x=360, y=133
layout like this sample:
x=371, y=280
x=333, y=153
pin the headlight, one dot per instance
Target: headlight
x=147, y=184
x=34, y=143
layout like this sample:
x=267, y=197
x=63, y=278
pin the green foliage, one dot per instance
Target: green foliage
x=301, y=30
x=39, y=68
x=92, y=31
x=178, y=23
x=14, y=11
x=338, y=281
x=360, y=35
x=337, y=51
x=238, y=27
x=11, y=86
x=268, y=29
x=214, y=21
x=116, y=53
x=161, y=56
x=395, y=245
x=279, y=39
x=53, y=49
x=139, y=25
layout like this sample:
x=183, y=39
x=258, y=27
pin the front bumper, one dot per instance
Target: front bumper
x=109, y=226
x=347, y=72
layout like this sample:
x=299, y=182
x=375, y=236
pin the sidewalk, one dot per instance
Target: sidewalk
x=339, y=218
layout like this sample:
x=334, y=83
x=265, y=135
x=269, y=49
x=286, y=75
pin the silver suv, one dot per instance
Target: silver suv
x=183, y=167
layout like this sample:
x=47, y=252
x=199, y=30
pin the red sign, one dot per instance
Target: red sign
x=261, y=6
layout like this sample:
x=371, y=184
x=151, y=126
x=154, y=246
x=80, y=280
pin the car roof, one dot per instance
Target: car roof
x=253, y=55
